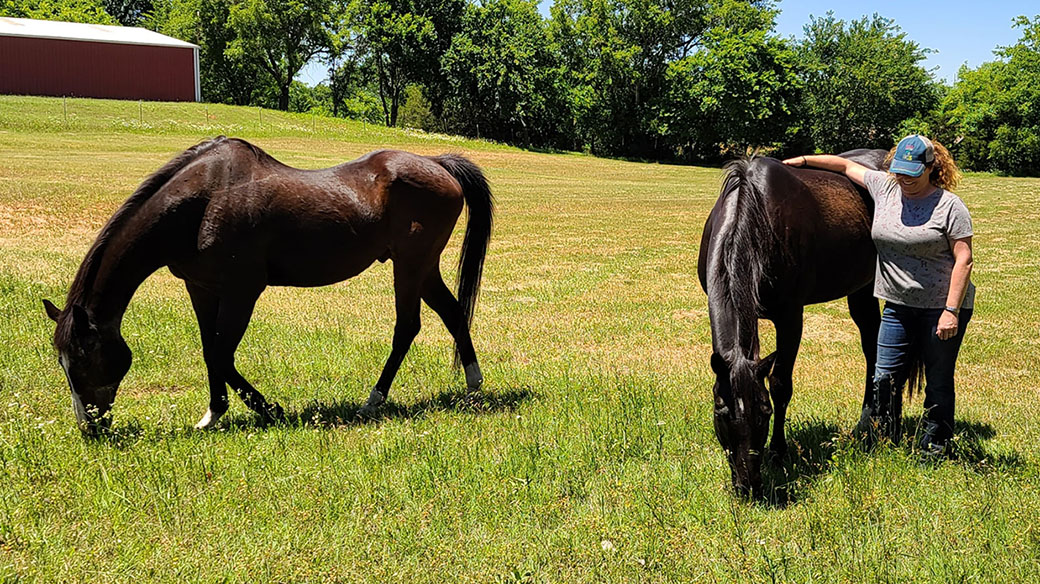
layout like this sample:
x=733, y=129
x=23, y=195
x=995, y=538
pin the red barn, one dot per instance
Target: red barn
x=40, y=57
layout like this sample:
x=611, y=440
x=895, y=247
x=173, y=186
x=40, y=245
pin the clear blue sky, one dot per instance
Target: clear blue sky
x=961, y=32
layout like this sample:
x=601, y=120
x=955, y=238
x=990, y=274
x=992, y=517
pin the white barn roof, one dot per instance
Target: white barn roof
x=75, y=31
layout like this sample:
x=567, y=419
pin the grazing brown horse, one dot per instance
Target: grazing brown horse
x=779, y=238
x=230, y=220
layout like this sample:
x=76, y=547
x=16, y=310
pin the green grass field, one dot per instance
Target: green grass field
x=589, y=456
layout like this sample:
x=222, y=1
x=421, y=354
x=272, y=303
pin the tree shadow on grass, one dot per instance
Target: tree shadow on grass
x=810, y=448
x=812, y=444
x=969, y=447
x=344, y=412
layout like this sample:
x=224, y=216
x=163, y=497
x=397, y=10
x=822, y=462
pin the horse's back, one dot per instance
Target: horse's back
x=291, y=226
x=819, y=232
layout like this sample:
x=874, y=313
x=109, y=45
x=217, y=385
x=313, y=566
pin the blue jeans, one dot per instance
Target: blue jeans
x=906, y=331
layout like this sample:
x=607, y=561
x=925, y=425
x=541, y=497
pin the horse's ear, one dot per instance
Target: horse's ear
x=718, y=365
x=52, y=311
x=81, y=320
x=765, y=366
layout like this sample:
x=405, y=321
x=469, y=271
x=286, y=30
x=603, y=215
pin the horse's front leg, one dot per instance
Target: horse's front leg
x=222, y=323
x=206, y=306
x=232, y=321
x=781, y=386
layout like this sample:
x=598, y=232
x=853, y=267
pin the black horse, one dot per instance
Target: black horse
x=779, y=238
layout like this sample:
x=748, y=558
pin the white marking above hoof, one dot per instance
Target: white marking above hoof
x=208, y=420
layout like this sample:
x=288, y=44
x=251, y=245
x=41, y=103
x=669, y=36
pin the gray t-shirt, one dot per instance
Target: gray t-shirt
x=914, y=240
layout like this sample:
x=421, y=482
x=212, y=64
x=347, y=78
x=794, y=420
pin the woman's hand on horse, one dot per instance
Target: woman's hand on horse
x=796, y=161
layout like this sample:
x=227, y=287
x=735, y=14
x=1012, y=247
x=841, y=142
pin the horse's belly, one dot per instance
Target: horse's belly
x=317, y=261
x=841, y=270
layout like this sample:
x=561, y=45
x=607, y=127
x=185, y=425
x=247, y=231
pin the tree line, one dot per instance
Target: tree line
x=678, y=80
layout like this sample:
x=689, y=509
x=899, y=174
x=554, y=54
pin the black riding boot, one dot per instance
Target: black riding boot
x=882, y=415
x=934, y=438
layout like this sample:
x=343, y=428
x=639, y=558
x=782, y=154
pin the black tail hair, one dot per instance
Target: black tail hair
x=481, y=206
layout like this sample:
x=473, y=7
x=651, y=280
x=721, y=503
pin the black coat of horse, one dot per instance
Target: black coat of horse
x=230, y=220
x=777, y=239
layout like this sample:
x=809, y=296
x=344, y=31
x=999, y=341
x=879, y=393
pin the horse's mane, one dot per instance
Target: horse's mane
x=88, y=269
x=744, y=242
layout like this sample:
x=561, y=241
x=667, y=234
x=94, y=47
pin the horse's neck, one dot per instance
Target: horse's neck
x=125, y=262
x=734, y=331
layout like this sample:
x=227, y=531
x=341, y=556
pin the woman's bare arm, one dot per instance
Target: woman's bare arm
x=853, y=170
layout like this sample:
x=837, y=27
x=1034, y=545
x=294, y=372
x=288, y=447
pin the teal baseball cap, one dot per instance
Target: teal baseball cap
x=913, y=153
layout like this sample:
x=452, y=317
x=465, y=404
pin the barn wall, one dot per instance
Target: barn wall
x=37, y=66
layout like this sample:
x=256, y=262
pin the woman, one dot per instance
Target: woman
x=923, y=236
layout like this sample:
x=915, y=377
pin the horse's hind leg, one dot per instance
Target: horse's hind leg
x=863, y=308
x=206, y=305
x=440, y=299
x=407, y=278
x=781, y=385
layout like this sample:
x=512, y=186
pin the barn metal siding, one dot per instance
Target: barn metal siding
x=57, y=67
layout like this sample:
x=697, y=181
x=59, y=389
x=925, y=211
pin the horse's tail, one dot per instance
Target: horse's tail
x=481, y=206
x=914, y=373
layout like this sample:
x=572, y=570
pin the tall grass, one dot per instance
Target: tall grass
x=589, y=455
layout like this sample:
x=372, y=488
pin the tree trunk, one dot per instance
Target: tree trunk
x=382, y=89
x=283, y=96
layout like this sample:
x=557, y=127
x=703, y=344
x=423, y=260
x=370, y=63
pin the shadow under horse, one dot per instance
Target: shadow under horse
x=230, y=220
x=777, y=239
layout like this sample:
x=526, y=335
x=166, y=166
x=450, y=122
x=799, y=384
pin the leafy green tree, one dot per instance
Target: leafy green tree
x=87, y=11
x=398, y=43
x=415, y=111
x=402, y=41
x=226, y=78
x=862, y=79
x=992, y=113
x=740, y=90
x=281, y=36
x=617, y=54
x=128, y=12
x=347, y=74
x=446, y=16
x=503, y=75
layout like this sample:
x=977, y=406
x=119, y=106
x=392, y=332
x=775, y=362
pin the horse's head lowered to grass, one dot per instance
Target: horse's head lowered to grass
x=94, y=358
x=742, y=414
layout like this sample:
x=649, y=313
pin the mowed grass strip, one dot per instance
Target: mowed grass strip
x=588, y=457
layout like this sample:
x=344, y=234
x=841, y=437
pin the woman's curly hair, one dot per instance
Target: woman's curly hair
x=944, y=172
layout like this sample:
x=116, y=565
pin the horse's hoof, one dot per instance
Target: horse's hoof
x=474, y=379
x=371, y=407
x=209, y=419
